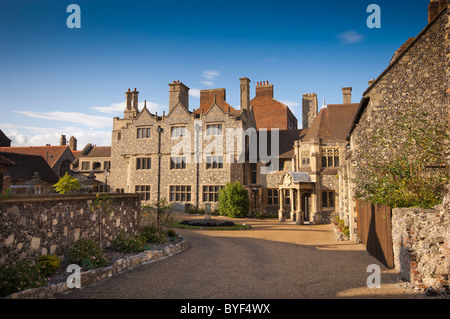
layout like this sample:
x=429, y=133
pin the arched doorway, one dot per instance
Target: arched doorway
x=306, y=205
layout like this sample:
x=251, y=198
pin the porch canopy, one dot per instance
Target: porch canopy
x=297, y=183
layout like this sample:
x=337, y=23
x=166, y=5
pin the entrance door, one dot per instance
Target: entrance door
x=306, y=205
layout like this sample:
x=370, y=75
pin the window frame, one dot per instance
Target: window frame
x=145, y=191
x=143, y=163
x=141, y=130
x=179, y=192
x=175, y=163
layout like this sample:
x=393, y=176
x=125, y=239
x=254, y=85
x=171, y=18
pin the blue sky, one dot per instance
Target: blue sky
x=55, y=80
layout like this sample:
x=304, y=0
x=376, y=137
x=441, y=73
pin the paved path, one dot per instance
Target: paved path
x=271, y=260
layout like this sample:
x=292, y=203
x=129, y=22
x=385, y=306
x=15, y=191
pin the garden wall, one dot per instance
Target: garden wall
x=31, y=226
x=421, y=239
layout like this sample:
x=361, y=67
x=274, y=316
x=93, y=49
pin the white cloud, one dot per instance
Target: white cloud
x=208, y=83
x=194, y=93
x=350, y=37
x=114, y=108
x=39, y=136
x=72, y=117
x=210, y=74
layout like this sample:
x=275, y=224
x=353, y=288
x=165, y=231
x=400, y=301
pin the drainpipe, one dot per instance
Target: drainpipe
x=159, y=130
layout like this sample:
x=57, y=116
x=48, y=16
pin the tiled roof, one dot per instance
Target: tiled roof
x=333, y=123
x=99, y=151
x=52, y=153
x=27, y=165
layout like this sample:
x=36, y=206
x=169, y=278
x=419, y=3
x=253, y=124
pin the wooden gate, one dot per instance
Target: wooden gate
x=375, y=231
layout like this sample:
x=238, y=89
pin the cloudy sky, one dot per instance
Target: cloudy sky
x=56, y=80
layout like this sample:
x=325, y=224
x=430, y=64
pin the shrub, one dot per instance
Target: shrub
x=153, y=235
x=23, y=275
x=48, y=264
x=171, y=233
x=87, y=254
x=128, y=244
x=233, y=201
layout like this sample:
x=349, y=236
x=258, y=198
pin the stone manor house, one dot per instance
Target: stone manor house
x=304, y=188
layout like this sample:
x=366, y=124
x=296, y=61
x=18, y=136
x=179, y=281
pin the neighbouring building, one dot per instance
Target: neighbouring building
x=94, y=160
x=59, y=157
x=418, y=78
x=27, y=174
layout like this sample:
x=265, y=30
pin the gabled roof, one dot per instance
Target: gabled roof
x=333, y=123
x=49, y=153
x=27, y=165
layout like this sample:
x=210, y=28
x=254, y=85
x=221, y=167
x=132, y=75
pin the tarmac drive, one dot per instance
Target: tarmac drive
x=270, y=261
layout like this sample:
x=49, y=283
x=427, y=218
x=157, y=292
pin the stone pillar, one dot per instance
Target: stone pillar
x=315, y=214
x=300, y=213
x=281, y=210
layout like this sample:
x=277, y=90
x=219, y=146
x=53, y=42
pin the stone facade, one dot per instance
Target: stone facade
x=39, y=225
x=142, y=146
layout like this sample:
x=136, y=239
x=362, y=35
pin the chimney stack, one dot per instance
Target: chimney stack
x=264, y=89
x=178, y=93
x=63, y=141
x=245, y=93
x=73, y=143
x=347, y=94
x=309, y=109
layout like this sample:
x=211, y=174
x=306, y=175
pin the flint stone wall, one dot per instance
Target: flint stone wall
x=31, y=226
x=421, y=239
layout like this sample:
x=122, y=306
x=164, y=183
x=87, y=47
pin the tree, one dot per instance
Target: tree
x=67, y=184
x=234, y=201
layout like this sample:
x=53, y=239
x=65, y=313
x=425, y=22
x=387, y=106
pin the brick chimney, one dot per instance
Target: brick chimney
x=347, y=95
x=434, y=7
x=73, y=143
x=178, y=93
x=211, y=96
x=245, y=93
x=264, y=89
x=63, y=141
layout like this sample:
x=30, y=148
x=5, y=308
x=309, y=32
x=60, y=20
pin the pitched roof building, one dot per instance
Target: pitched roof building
x=270, y=113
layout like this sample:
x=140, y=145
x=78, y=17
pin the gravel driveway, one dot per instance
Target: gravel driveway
x=270, y=261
